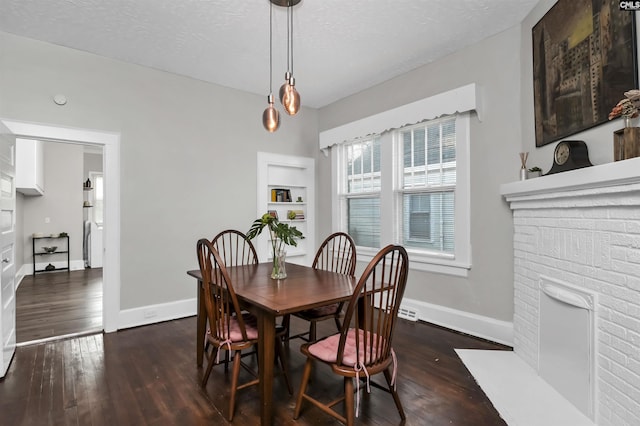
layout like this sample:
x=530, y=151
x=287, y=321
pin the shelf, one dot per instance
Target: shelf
x=51, y=270
x=285, y=177
x=288, y=185
x=49, y=237
x=287, y=203
x=65, y=251
x=53, y=252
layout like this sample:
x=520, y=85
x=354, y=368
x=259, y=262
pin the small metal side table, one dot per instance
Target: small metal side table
x=41, y=254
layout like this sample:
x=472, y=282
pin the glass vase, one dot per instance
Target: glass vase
x=279, y=270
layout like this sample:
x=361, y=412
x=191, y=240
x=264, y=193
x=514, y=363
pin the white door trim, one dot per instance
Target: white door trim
x=110, y=141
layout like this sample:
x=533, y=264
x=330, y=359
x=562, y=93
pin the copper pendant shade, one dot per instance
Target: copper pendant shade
x=270, y=116
x=289, y=96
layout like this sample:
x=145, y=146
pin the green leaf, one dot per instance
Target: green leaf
x=287, y=234
x=256, y=229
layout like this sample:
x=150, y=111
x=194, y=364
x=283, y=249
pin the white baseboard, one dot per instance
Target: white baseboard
x=20, y=273
x=465, y=322
x=151, y=314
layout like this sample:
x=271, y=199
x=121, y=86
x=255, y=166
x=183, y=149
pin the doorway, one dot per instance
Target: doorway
x=110, y=142
x=57, y=297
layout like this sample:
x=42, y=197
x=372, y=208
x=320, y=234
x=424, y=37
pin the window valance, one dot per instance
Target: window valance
x=462, y=99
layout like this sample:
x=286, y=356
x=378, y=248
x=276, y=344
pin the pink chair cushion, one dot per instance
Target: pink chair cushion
x=235, y=335
x=322, y=311
x=327, y=348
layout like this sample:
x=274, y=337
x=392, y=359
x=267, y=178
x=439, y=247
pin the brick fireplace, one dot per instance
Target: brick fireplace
x=577, y=285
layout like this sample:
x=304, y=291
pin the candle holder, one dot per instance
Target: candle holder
x=523, y=165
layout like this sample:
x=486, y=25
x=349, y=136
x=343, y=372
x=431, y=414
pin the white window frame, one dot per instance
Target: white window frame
x=458, y=263
x=342, y=196
x=94, y=196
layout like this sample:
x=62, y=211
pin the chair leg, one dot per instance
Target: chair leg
x=338, y=323
x=303, y=387
x=234, y=382
x=212, y=361
x=312, y=331
x=286, y=324
x=348, y=401
x=394, y=393
x=283, y=364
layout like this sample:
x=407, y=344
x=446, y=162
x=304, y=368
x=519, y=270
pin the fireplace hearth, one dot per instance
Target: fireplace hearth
x=577, y=285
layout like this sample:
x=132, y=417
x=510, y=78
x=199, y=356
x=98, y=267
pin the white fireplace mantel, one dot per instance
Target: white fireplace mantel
x=580, y=231
x=596, y=179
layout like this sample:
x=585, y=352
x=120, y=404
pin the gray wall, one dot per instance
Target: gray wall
x=183, y=142
x=92, y=163
x=61, y=202
x=494, y=65
x=502, y=65
x=188, y=151
x=598, y=139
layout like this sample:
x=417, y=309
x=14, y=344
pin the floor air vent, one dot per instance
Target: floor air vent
x=408, y=314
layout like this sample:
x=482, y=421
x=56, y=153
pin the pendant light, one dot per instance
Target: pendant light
x=270, y=116
x=289, y=96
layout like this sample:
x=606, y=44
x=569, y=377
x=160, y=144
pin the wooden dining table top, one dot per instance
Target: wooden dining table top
x=304, y=287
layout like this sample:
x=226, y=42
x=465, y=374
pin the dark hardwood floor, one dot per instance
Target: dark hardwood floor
x=148, y=376
x=58, y=304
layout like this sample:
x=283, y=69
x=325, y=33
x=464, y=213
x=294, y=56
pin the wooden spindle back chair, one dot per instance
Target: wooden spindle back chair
x=230, y=329
x=337, y=253
x=234, y=248
x=363, y=347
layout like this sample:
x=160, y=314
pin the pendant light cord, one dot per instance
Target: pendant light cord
x=270, y=48
x=288, y=35
x=290, y=18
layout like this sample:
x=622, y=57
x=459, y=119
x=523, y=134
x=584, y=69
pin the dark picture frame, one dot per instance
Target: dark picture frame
x=584, y=59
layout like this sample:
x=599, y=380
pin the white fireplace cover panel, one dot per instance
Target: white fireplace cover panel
x=566, y=357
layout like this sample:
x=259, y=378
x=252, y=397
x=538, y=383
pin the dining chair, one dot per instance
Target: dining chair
x=230, y=329
x=234, y=248
x=363, y=347
x=337, y=253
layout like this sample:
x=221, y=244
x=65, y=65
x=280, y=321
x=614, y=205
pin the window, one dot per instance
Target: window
x=362, y=191
x=428, y=185
x=408, y=186
x=97, y=211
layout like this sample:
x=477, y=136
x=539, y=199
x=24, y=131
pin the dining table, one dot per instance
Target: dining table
x=267, y=298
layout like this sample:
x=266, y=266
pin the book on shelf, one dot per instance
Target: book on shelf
x=280, y=195
x=295, y=214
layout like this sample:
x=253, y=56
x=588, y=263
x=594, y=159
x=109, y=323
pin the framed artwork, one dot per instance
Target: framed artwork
x=273, y=213
x=584, y=59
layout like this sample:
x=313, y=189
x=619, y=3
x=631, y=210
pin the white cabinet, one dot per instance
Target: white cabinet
x=287, y=184
x=29, y=167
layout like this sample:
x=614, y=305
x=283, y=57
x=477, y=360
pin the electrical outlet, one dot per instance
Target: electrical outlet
x=47, y=220
x=150, y=313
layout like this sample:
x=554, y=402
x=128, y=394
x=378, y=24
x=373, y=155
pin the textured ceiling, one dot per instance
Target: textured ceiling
x=340, y=47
